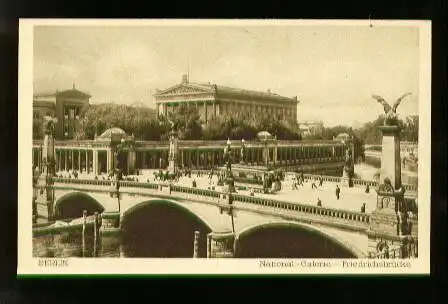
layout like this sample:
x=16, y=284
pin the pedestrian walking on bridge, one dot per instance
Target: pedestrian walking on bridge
x=338, y=191
x=367, y=189
x=363, y=208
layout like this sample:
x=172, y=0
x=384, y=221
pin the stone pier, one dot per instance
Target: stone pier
x=393, y=230
x=110, y=234
x=221, y=244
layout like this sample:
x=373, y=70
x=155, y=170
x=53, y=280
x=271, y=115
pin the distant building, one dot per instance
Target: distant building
x=311, y=128
x=213, y=100
x=66, y=106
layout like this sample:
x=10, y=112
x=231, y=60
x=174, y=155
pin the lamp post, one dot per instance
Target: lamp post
x=117, y=148
x=229, y=186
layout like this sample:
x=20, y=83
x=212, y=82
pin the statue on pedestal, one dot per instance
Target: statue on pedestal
x=172, y=154
x=228, y=158
x=242, y=150
x=390, y=218
x=49, y=166
x=391, y=112
x=229, y=185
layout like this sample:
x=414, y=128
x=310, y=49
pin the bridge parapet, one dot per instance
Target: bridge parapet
x=410, y=189
x=356, y=181
x=359, y=221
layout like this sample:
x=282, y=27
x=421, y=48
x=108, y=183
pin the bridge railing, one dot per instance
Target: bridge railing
x=396, y=253
x=250, y=181
x=303, y=208
x=331, y=213
x=356, y=181
x=351, y=216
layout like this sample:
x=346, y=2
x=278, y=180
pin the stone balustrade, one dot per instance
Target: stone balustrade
x=330, y=213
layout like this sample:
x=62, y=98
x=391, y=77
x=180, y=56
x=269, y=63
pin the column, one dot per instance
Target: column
x=197, y=158
x=109, y=161
x=66, y=160
x=275, y=154
x=72, y=154
x=205, y=111
x=79, y=160
x=95, y=161
x=131, y=162
x=87, y=161
x=214, y=108
x=60, y=160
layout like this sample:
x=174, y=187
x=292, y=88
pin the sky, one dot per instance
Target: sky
x=333, y=70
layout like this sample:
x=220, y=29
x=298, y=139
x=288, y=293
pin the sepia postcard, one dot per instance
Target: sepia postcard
x=224, y=147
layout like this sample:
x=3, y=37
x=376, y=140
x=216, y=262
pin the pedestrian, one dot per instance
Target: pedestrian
x=313, y=185
x=194, y=183
x=319, y=203
x=363, y=208
x=321, y=181
x=338, y=191
x=367, y=189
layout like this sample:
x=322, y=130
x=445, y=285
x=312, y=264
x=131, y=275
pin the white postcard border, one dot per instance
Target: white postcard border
x=30, y=265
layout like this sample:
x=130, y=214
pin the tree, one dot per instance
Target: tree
x=138, y=121
x=187, y=121
x=410, y=132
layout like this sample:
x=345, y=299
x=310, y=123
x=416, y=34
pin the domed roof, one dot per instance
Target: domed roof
x=342, y=136
x=112, y=131
x=264, y=135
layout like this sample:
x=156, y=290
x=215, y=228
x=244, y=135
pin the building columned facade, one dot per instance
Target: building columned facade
x=66, y=106
x=96, y=156
x=213, y=100
x=311, y=128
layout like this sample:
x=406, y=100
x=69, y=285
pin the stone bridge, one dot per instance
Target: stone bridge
x=324, y=232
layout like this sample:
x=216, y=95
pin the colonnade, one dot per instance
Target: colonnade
x=96, y=160
x=208, y=109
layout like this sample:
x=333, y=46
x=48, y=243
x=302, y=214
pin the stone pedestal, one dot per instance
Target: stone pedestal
x=45, y=198
x=390, y=155
x=392, y=233
x=131, y=162
x=276, y=186
x=229, y=185
x=173, y=151
x=110, y=234
x=220, y=244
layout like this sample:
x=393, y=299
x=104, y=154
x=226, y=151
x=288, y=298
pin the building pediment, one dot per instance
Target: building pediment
x=182, y=90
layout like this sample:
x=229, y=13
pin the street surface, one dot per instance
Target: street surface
x=350, y=199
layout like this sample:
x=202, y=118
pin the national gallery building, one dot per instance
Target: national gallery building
x=213, y=100
x=96, y=156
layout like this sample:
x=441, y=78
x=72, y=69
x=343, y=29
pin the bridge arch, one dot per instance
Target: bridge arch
x=163, y=228
x=289, y=239
x=72, y=204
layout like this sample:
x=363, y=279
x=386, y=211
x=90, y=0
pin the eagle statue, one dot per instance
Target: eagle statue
x=390, y=111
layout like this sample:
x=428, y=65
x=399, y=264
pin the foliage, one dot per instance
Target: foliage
x=133, y=120
x=239, y=126
x=144, y=124
x=187, y=121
